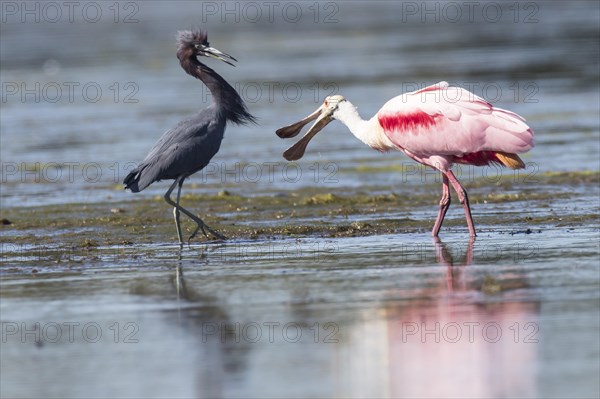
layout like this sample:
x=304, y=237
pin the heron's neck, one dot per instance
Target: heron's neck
x=225, y=97
x=367, y=131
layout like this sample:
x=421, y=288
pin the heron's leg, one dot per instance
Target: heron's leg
x=444, y=205
x=175, y=206
x=178, y=208
x=200, y=224
x=176, y=212
x=464, y=200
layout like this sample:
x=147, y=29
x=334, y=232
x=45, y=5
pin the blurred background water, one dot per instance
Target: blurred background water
x=86, y=99
x=88, y=88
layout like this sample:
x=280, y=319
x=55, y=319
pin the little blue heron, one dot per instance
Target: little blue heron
x=436, y=126
x=190, y=145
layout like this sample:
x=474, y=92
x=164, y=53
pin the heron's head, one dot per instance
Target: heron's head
x=194, y=43
x=323, y=115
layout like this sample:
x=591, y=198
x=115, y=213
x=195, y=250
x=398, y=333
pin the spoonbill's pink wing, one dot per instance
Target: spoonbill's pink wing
x=446, y=120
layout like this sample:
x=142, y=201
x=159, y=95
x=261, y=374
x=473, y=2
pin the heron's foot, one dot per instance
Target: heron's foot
x=198, y=227
x=216, y=235
x=204, y=228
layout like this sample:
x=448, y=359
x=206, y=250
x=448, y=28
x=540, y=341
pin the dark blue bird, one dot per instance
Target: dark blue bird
x=190, y=145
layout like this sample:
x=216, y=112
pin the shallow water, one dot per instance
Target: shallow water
x=513, y=315
x=366, y=316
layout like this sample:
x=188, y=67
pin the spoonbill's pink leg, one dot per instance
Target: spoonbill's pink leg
x=444, y=205
x=464, y=200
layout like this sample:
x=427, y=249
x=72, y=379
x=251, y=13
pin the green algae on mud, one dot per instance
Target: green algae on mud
x=330, y=212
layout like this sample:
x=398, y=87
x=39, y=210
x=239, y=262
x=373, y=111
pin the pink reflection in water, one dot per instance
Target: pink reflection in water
x=446, y=348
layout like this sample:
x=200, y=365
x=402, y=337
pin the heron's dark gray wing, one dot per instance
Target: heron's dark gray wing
x=182, y=150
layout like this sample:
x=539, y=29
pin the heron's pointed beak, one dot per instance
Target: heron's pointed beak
x=218, y=55
x=296, y=151
x=293, y=129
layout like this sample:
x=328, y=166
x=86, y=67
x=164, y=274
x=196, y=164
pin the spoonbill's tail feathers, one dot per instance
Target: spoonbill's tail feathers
x=512, y=161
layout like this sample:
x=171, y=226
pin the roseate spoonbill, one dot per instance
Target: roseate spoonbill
x=190, y=145
x=438, y=126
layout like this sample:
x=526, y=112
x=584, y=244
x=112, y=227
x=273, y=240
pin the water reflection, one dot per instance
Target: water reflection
x=446, y=347
x=448, y=340
x=197, y=319
x=444, y=257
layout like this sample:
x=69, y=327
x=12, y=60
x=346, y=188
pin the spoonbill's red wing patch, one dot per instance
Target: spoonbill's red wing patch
x=480, y=158
x=405, y=122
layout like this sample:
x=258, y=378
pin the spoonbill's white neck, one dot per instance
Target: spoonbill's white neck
x=367, y=131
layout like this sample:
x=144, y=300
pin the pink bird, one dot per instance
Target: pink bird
x=437, y=126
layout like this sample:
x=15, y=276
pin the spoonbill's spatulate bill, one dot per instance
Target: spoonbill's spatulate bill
x=437, y=126
x=190, y=145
